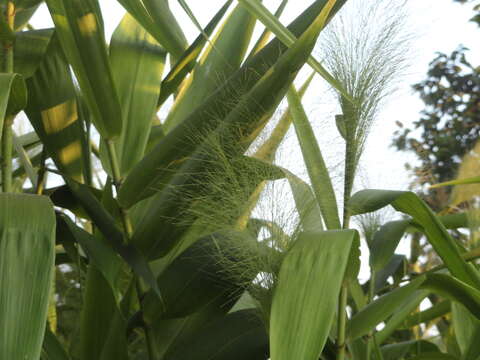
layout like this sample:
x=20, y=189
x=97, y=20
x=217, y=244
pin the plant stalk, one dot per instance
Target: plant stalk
x=342, y=321
x=8, y=121
x=117, y=181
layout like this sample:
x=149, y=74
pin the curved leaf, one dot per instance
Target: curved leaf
x=409, y=203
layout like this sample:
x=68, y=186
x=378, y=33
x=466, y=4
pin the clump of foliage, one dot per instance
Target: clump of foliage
x=164, y=239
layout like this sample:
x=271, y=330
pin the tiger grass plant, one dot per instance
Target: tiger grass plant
x=127, y=236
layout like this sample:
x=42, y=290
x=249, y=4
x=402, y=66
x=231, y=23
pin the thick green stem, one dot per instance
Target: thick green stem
x=117, y=181
x=8, y=121
x=342, y=320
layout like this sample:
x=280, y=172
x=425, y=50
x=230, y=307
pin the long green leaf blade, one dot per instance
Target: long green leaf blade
x=138, y=87
x=306, y=295
x=80, y=30
x=27, y=255
x=317, y=170
x=221, y=59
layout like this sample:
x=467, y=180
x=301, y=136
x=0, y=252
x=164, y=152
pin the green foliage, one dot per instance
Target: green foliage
x=189, y=249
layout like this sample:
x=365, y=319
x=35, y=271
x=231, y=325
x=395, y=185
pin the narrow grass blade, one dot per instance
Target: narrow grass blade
x=13, y=95
x=317, y=169
x=265, y=36
x=188, y=60
x=220, y=60
x=80, y=30
x=374, y=313
x=472, y=180
x=401, y=313
x=24, y=160
x=27, y=256
x=409, y=203
x=440, y=309
x=306, y=295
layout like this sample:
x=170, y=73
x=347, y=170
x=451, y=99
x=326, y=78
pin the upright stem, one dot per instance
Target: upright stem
x=117, y=181
x=41, y=174
x=7, y=154
x=342, y=320
x=8, y=121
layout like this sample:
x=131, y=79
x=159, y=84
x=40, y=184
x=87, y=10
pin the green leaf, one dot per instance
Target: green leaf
x=99, y=254
x=409, y=203
x=196, y=274
x=173, y=335
x=30, y=48
x=395, y=263
x=401, y=313
x=472, y=180
x=265, y=36
x=237, y=336
x=155, y=16
x=220, y=60
x=62, y=197
x=288, y=38
x=307, y=206
x=80, y=31
x=188, y=60
x=13, y=95
x=114, y=237
x=434, y=356
x=27, y=255
x=305, y=299
x=385, y=241
x=407, y=348
x=24, y=10
x=312, y=155
x=440, y=309
x=157, y=232
x=467, y=331
x=137, y=62
x=52, y=349
x=377, y=311
x=456, y=290
x=52, y=110
x=156, y=168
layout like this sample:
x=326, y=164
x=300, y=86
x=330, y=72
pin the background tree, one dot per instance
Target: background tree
x=450, y=123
